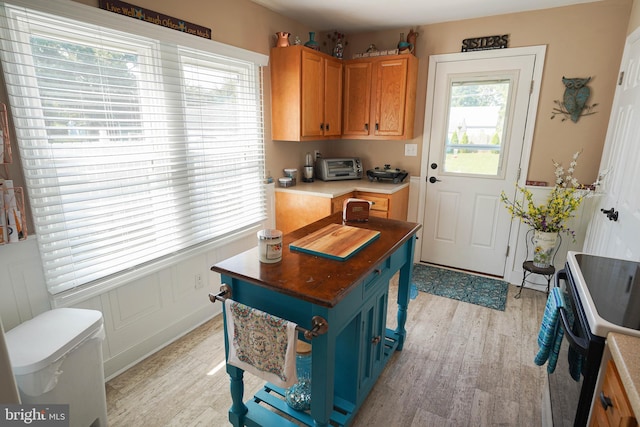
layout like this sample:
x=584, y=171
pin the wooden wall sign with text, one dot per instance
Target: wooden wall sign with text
x=485, y=43
x=142, y=14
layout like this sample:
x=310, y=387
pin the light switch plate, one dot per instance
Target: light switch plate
x=411, y=150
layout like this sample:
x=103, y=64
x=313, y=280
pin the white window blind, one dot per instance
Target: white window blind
x=132, y=148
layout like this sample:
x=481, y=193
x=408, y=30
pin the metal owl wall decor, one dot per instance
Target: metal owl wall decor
x=574, y=102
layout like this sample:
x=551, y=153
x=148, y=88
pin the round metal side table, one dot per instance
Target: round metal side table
x=529, y=269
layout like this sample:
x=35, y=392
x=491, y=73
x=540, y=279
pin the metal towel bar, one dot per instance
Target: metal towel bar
x=318, y=323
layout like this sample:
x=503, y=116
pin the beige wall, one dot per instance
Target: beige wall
x=583, y=40
x=634, y=18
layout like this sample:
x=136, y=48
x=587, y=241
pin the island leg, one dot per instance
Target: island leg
x=403, y=303
x=322, y=377
x=238, y=408
x=404, y=286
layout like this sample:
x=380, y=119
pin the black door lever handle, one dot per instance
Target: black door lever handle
x=612, y=214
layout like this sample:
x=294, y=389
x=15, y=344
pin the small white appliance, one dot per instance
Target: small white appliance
x=56, y=358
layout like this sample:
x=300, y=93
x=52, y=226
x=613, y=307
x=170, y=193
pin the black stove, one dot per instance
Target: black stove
x=601, y=295
x=387, y=174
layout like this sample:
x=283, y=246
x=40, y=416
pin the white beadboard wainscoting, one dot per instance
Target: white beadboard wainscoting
x=140, y=316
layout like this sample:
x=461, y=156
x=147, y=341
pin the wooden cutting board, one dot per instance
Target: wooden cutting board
x=335, y=241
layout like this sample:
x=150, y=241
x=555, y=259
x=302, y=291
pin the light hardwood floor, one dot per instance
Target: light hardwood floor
x=462, y=365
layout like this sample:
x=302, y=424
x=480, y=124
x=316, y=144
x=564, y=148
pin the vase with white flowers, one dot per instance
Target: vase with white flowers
x=550, y=218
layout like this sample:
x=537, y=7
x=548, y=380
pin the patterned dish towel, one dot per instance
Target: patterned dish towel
x=550, y=336
x=262, y=344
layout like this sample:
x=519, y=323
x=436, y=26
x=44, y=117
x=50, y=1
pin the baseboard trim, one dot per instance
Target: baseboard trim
x=116, y=365
x=546, y=417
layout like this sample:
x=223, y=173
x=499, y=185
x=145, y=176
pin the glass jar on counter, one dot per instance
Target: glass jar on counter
x=298, y=396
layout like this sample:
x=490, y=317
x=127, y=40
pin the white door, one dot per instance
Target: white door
x=479, y=112
x=620, y=188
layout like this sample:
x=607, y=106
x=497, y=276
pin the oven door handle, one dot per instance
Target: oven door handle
x=580, y=344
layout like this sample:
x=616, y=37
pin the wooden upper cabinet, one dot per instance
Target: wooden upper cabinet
x=306, y=94
x=357, y=99
x=390, y=100
x=380, y=97
x=312, y=76
x=333, y=97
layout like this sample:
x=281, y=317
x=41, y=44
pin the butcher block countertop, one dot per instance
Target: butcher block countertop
x=333, y=189
x=625, y=351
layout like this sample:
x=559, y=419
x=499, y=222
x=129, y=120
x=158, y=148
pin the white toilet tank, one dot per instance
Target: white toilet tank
x=56, y=358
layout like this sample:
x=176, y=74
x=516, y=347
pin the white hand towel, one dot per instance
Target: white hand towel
x=262, y=344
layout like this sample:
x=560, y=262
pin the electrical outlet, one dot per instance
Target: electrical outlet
x=316, y=154
x=198, y=280
x=411, y=150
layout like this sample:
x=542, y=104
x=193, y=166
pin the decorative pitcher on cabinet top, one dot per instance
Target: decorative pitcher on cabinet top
x=282, y=39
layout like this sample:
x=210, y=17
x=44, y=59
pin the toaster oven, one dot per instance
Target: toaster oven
x=338, y=168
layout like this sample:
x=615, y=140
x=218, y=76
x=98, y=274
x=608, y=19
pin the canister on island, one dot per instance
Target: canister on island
x=270, y=245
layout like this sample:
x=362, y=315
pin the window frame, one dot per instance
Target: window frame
x=94, y=16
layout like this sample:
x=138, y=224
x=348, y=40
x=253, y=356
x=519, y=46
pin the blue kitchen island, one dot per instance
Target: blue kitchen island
x=351, y=296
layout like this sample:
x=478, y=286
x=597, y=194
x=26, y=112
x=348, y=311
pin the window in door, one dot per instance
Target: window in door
x=476, y=131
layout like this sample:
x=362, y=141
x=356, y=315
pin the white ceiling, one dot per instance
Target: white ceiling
x=353, y=16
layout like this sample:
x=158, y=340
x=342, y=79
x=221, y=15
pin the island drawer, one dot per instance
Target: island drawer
x=380, y=272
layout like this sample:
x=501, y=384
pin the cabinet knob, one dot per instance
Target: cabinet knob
x=366, y=127
x=327, y=127
x=605, y=401
x=377, y=271
x=375, y=340
x=321, y=126
x=377, y=127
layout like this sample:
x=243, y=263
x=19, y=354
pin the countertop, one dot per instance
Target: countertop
x=333, y=189
x=625, y=351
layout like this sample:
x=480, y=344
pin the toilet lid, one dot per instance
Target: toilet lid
x=39, y=342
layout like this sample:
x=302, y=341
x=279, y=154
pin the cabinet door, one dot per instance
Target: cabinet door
x=294, y=211
x=332, y=98
x=617, y=411
x=374, y=317
x=393, y=206
x=286, y=102
x=390, y=97
x=312, y=91
x=337, y=203
x=357, y=99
